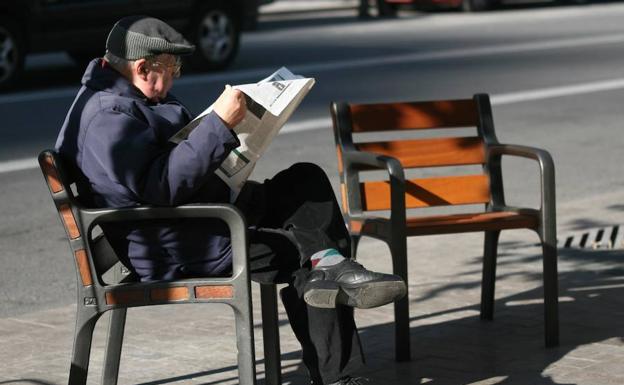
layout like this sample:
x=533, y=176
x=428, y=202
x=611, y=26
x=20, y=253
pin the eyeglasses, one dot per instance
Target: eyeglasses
x=175, y=68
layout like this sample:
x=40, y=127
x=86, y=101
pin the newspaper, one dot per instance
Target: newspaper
x=270, y=102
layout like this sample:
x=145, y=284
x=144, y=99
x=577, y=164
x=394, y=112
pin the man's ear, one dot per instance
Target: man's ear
x=140, y=69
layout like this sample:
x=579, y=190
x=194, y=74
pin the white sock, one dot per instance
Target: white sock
x=327, y=257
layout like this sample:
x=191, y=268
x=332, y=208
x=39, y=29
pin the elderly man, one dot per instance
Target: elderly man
x=115, y=141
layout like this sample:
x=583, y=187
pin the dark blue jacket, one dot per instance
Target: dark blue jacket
x=115, y=142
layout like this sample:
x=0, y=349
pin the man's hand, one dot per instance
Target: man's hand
x=230, y=106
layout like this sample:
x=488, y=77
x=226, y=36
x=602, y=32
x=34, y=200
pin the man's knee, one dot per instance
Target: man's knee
x=307, y=171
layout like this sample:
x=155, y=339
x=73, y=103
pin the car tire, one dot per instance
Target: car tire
x=216, y=35
x=386, y=10
x=12, y=53
x=476, y=5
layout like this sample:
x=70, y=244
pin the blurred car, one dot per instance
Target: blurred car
x=390, y=7
x=80, y=28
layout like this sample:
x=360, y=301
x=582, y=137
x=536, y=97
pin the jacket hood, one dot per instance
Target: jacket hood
x=100, y=76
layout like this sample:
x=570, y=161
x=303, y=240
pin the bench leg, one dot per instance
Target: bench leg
x=488, y=280
x=551, y=294
x=86, y=318
x=398, y=249
x=270, y=334
x=112, y=355
x=245, y=341
x=355, y=241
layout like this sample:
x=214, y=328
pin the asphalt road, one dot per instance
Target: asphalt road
x=555, y=75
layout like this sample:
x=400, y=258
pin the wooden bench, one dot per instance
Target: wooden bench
x=94, y=257
x=363, y=199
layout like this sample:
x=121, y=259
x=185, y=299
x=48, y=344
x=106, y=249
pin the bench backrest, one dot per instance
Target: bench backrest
x=65, y=202
x=89, y=268
x=457, y=188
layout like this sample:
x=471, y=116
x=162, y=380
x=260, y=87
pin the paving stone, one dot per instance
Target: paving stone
x=450, y=344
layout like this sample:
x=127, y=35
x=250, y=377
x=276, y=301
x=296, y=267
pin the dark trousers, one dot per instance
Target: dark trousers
x=293, y=215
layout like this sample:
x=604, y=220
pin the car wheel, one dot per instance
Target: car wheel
x=386, y=10
x=11, y=54
x=216, y=37
x=476, y=5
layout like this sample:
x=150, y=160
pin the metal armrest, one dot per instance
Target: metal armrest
x=547, y=175
x=357, y=159
x=231, y=215
x=542, y=156
x=360, y=160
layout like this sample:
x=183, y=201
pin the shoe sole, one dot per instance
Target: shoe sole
x=326, y=294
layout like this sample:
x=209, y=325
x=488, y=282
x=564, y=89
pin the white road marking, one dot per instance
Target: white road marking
x=321, y=123
x=460, y=53
x=325, y=123
x=496, y=100
x=555, y=92
x=18, y=165
x=313, y=68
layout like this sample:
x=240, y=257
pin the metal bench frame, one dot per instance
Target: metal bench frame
x=397, y=193
x=93, y=256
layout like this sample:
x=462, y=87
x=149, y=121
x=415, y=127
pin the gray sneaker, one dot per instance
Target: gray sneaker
x=349, y=283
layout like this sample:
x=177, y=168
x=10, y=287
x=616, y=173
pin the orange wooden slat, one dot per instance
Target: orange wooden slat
x=82, y=262
x=456, y=223
x=414, y=115
x=355, y=226
x=125, y=297
x=439, y=191
x=52, y=175
x=69, y=221
x=214, y=292
x=170, y=294
x=431, y=152
x=339, y=155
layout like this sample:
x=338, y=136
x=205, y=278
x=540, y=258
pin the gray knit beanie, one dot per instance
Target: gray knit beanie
x=137, y=37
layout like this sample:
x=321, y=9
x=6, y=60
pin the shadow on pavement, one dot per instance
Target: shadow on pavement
x=618, y=207
x=461, y=348
x=466, y=350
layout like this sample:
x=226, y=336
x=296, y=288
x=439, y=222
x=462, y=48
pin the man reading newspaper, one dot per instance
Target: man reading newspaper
x=116, y=139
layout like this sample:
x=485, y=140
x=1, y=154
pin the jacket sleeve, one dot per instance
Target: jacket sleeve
x=126, y=151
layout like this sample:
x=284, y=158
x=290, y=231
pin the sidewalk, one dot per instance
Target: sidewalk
x=450, y=345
